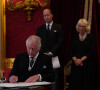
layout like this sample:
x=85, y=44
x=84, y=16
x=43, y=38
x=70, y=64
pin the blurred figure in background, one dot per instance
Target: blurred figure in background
x=82, y=48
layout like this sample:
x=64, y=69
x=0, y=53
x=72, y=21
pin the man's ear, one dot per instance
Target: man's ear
x=40, y=48
x=52, y=15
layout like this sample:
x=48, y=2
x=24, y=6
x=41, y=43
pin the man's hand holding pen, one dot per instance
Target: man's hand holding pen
x=13, y=79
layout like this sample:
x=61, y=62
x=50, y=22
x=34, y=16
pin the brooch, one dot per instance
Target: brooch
x=55, y=30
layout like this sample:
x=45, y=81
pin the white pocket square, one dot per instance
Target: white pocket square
x=44, y=66
x=55, y=30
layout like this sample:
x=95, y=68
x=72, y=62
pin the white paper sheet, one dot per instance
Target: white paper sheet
x=11, y=85
x=55, y=62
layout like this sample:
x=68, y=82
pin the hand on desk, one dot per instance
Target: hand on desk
x=32, y=79
x=13, y=79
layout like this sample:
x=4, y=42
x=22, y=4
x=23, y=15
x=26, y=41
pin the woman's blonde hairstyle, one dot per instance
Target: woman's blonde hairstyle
x=85, y=23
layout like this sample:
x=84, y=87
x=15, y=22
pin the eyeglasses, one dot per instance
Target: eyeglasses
x=81, y=26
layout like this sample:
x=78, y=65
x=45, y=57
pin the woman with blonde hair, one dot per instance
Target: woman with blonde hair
x=82, y=48
x=83, y=28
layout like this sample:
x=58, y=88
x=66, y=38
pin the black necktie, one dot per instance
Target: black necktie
x=48, y=31
x=48, y=27
x=31, y=62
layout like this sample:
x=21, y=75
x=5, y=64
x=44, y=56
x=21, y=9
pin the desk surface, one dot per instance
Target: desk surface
x=45, y=87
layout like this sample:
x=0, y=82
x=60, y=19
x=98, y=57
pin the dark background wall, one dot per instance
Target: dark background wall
x=67, y=13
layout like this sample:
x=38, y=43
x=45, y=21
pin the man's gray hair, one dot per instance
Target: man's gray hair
x=35, y=39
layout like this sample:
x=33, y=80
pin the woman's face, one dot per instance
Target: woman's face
x=81, y=28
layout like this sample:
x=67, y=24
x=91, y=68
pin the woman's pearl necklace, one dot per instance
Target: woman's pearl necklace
x=82, y=37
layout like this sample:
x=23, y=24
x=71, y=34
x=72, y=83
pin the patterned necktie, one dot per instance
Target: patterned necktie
x=31, y=62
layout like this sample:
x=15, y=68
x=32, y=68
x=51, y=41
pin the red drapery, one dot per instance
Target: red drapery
x=18, y=29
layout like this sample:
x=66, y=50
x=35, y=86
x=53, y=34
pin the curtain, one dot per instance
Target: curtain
x=67, y=13
x=18, y=28
x=96, y=32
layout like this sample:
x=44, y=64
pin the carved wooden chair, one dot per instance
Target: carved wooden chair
x=67, y=71
x=8, y=64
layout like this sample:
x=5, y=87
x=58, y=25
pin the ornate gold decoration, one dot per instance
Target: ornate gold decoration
x=88, y=11
x=28, y=5
x=3, y=34
x=98, y=1
x=8, y=63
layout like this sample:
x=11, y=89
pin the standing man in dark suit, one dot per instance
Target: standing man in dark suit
x=51, y=38
x=32, y=65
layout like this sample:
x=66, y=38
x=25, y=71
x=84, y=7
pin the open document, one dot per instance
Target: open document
x=22, y=84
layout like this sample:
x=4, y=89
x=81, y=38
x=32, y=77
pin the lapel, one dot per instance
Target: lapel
x=44, y=33
x=44, y=29
x=26, y=60
x=52, y=30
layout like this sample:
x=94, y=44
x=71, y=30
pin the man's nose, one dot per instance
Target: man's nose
x=31, y=50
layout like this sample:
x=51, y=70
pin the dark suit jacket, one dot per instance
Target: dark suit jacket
x=43, y=66
x=53, y=43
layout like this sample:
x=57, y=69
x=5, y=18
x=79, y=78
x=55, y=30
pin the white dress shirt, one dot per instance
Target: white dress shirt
x=50, y=25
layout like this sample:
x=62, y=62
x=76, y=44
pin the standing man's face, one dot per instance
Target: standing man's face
x=32, y=49
x=47, y=16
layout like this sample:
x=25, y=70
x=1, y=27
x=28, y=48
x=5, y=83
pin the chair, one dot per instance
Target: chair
x=6, y=73
x=8, y=64
x=67, y=71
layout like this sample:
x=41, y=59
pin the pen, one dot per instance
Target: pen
x=14, y=79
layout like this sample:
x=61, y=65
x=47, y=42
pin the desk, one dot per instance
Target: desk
x=45, y=87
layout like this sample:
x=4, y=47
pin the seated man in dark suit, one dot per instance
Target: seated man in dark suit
x=32, y=65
